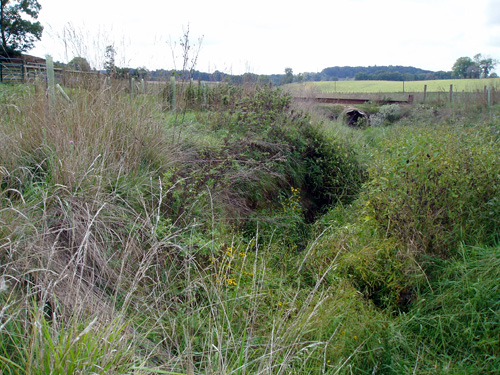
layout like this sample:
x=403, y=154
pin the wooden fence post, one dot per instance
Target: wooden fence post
x=425, y=92
x=451, y=93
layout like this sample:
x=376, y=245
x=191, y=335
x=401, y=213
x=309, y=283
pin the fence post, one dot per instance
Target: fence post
x=489, y=95
x=132, y=80
x=425, y=92
x=50, y=81
x=204, y=90
x=172, y=84
x=451, y=93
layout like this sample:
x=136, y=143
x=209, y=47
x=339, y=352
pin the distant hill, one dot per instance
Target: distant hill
x=344, y=72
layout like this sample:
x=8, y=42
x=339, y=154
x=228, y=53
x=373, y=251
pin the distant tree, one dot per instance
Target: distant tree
x=109, y=63
x=361, y=76
x=122, y=72
x=79, y=63
x=288, y=78
x=140, y=73
x=486, y=65
x=461, y=68
x=18, y=33
x=409, y=77
x=442, y=75
x=474, y=71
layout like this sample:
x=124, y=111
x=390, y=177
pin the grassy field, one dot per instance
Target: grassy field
x=459, y=85
x=240, y=233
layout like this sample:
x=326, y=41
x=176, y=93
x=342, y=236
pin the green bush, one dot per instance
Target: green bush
x=387, y=114
x=436, y=187
x=268, y=147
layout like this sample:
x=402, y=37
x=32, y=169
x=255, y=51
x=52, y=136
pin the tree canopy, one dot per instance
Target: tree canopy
x=18, y=34
x=80, y=63
x=479, y=67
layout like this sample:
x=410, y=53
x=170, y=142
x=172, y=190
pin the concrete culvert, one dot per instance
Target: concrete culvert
x=355, y=117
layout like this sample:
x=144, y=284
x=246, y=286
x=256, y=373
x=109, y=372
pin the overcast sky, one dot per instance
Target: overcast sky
x=267, y=36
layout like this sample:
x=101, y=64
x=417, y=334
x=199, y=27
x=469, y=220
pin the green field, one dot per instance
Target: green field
x=459, y=85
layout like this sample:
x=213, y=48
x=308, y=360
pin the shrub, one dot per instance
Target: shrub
x=387, y=114
x=269, y=147
x=437, y=187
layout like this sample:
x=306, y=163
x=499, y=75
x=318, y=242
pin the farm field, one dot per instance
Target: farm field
x=459, y=85
x=233, y=231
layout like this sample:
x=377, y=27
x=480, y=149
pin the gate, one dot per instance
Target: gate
x=11, y=70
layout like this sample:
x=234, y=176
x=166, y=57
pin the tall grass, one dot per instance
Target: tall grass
x=115, y=230
x=244, y=237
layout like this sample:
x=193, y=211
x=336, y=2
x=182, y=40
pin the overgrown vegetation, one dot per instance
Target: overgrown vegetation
x=241, y=234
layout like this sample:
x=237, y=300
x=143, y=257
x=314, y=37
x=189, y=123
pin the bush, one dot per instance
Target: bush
x=269, y=147
x=387, y=114
x=437, y=187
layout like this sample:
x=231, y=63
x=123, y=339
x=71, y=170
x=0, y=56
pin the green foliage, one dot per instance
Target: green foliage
x=464, y=67
x=80, y=64
x=387, y=114
x=288, y=77
x=242, y=237
x=268, y=147
x=19, y=34
x=437, y=187
x=377, y=266
x=485, y=64
x=109, y=63
x=38, y=345
x=479, y=67
x=454, y=324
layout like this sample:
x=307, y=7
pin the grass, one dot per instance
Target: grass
x=459, y=85
x=245, y=237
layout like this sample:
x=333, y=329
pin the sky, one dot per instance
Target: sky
x=267, y=36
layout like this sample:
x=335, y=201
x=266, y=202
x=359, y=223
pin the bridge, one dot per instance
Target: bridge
x=332, y=100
